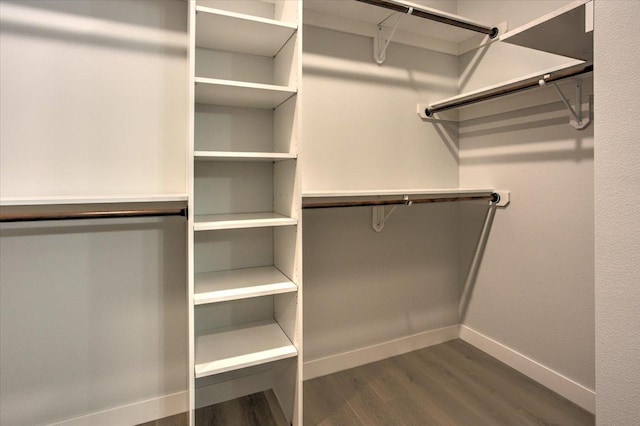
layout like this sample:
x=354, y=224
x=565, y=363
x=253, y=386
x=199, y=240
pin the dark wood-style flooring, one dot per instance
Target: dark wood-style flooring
x=448, y=384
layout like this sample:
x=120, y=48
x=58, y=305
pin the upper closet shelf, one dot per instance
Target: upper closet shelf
x=59, y=200
x=242, y=156
x=215, y=222
x=237, y=347
x=423, y=27
x=396, y=192
x=236, y=32
x=238, y=93
x=529, y=81
x=567, y=31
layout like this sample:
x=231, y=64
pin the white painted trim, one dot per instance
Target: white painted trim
x=136, y=413
x=573, y=391
x=343, y=361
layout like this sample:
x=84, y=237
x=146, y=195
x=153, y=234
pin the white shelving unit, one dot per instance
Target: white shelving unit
x=245, y=244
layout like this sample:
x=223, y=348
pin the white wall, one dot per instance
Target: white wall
x=93, y=97
x=617, y=208
x=534, y=292
x=360, y=127
x=360, y=131
x=93, y=102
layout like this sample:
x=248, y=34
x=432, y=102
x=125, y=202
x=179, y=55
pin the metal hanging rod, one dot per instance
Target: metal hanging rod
x=507, y=89
x=434, y=15
x=494, y=198
x=96, y=214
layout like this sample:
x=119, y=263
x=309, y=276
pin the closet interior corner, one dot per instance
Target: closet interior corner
x=317, y=224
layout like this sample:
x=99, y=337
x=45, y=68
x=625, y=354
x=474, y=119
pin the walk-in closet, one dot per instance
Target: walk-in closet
x=319, y=212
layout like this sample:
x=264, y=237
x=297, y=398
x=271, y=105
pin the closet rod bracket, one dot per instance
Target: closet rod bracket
x=379, y=44
x=379, y=216
x=577, y=120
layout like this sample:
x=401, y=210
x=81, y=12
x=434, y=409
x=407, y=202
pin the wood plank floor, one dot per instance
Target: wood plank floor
x=448, y=384
x=259, y=409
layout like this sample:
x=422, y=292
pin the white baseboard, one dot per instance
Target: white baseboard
x=132, y=414
x=574, y=392
x=343, y=361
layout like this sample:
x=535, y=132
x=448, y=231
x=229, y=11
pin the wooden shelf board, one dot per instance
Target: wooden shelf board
x=241, y=220
x=242, y=156
x=213, y=287
x=243, y=94
x=53, y=200
x=562, y=32
x=235, y=32
x=234, y=348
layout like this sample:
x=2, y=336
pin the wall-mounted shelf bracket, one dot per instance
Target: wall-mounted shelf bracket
x=577, y=120
x=380, y=44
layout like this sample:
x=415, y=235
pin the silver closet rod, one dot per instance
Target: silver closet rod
x=494, y=198
x=434, y=15
x=507, y=89
x=94, y=214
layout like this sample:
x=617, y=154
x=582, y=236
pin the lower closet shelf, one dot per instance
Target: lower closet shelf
x=241, y=220
x=221, y=286
x=241, y=346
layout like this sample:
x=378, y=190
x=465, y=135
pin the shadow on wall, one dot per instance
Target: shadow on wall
x=94, y=313
x=538, y=133
x=124, y=25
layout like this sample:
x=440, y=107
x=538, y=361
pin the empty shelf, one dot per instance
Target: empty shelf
x=234, y=348
x=242, y=156
x=212, y=287
x=241, y=220
x=235, y=32
x=243, y=94
x=566, y=32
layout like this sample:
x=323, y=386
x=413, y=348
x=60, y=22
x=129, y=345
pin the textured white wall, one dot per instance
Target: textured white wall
x=534, y=291
x=360, y=131
x=359, y=125
x=92, y=316
x=617, y=209
x=93, y=97
x=93, y=102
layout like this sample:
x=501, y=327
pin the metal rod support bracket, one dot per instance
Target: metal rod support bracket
x=576, y=120
x=379, y=44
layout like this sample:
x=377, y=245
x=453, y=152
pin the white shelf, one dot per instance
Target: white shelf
x=212, y=287
x=234, y=348
x=236, y=32
x=32, y=201
x=567, y=31
x=243, y=94
x=242, y=156
x=437, y=192
x=241, y=220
